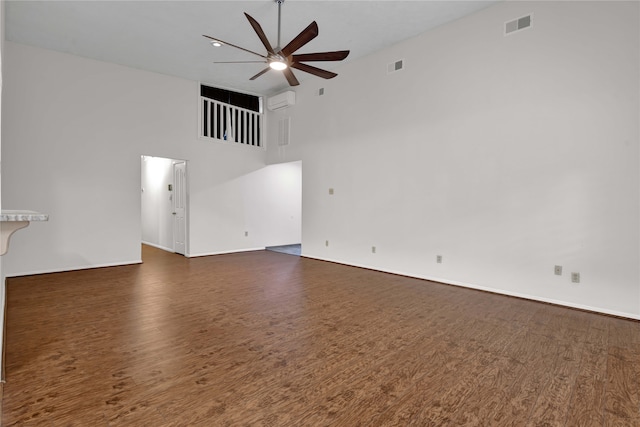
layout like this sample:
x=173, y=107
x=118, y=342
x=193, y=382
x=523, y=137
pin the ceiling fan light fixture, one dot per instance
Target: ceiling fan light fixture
x=278, y=65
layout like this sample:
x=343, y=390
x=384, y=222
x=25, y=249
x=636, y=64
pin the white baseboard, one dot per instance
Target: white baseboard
x=429, y=278
x=81, y=267
x=489, y=289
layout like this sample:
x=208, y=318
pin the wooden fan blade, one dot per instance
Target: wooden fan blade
x=260, y=73
x=290, y=77
x=313, y=70
x=322, y=56
x=233, y=45
x=258, y=29
x=305, y=36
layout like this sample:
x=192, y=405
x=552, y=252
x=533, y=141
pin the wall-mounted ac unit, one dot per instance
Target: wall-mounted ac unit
x=281, y=100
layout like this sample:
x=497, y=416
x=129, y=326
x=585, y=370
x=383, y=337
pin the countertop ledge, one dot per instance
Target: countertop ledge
x=22, y=215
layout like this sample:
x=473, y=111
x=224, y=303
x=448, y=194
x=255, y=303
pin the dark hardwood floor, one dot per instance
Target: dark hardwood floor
x=263, y=338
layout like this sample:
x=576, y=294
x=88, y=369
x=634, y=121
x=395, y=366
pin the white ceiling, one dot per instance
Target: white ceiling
x=166, y=36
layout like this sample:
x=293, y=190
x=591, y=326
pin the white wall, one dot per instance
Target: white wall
x=265, y=204
x=505, y=155
x=74, y=130
x=279, y=203
x=157, y=206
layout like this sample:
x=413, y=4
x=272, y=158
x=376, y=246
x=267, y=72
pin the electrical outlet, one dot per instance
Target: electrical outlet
x=246, y=234
x=439, y=259
x=557, y=270
x=373, y=249
x=331, y=191
x=575, y=277
x=326, y=243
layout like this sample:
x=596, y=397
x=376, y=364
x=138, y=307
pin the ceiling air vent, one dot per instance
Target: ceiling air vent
x=517, y=24
x=395, y=66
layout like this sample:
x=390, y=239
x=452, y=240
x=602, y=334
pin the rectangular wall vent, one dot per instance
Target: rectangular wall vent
x=395, y=66
x=517, y=24
x=284, y=129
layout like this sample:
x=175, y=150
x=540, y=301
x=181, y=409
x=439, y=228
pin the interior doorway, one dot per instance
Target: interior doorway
x=164, y=203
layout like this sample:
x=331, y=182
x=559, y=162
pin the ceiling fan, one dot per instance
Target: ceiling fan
x=284, y=59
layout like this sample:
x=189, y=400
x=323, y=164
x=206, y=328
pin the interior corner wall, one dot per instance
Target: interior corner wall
x=73, y=132
x=277, y=204
x=506, y=155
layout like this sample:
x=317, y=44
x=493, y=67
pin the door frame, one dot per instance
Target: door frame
x=183, y=190
x=164, y=244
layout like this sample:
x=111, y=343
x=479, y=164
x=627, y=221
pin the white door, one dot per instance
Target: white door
x=179, y=207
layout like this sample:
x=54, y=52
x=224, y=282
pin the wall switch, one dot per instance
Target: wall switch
x=575, y=277
x=557, y=270
x=326, y=243
x=439, y=259
x=246, y=234
x=373, y=249
x=331, y=191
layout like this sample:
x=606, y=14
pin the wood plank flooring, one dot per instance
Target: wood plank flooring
x=268, y=339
